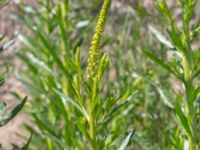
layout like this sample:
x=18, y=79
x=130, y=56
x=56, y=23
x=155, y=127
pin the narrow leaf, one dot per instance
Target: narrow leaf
x=25, y=147
x=112, y=113
x=45, y=125
x=76, y=105
x=126, y=141
x=164, y=98
x=161, y=63
x=6, y=45
x=4, y=75
x=2, y=109
x=13, y=113
x=182, y=118
x=161, y=38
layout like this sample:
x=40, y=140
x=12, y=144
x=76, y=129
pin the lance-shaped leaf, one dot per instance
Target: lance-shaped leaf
x=182, y=118
x=4, y=75
x=57, y=140
x=126, y=141
x=161, y=63
x=116, y=109
x=6, y=45
x=161, y=38
x=2, y=109
x=25, y=147
x=1, y=37
x=76, y=105
x=164, y=98
x=13, y=113
x=45, y=125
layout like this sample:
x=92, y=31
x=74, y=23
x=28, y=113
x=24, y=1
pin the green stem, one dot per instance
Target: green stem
x=189, y=113
x=92, y=134
x=187, y=64
x=92, y=128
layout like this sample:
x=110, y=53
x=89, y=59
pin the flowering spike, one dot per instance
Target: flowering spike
x=94, y=52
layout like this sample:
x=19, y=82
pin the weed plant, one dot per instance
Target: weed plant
x=67, y=104
x=185, y=67
x=76, y=103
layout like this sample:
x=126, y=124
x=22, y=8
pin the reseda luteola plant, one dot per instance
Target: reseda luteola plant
x=97, y=63
x=80, y=114
x=186, y=68
x=68, y=104
x=93, y=66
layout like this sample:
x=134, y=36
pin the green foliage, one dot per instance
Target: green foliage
x=4, y=120
x=185, y=108
x=80, y=103
x=69, y=108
